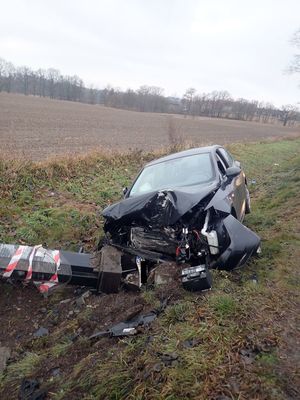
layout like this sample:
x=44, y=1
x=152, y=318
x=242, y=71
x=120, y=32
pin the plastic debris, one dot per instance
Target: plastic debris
x=30, y=390
x=41, y=332
x=131, y=327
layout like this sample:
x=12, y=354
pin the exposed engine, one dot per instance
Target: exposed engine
x=189, y=228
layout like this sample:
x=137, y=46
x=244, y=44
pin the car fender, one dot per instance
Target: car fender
x=243, y=243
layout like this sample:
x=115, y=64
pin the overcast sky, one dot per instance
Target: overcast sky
x=237, y=45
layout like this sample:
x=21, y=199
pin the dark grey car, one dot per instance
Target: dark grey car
x=189, y=207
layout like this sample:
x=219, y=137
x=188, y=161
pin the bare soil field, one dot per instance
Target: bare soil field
x=38, y=128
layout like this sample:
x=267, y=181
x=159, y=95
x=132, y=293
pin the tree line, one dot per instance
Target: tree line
x=216, y=104
x=45, y=83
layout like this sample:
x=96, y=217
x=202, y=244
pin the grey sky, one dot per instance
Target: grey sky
x=237, y=45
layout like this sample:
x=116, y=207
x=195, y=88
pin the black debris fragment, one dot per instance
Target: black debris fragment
x=127, y=328
x=132, y=326
x=30, y=390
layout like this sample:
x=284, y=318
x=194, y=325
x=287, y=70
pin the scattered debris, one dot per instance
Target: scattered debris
x=128, y=327
x=133, y=325
x=41, y=332
x=80, y=301
x=254, y=279
x=30, y=390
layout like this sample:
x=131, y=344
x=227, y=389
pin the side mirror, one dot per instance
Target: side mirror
x=237, y=163
x=232, y=172
x=125, y=190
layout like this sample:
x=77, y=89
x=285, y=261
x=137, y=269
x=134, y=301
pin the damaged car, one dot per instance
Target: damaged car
x=188, y=208
x=183, y=214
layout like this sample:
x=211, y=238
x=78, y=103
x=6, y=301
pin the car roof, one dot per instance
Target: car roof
x=185, y=153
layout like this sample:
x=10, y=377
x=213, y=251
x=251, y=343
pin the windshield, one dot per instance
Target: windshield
x=183, y=171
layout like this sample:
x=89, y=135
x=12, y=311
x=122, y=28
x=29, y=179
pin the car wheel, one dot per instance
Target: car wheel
x=248, y=202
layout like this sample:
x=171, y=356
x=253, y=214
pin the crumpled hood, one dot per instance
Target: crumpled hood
x=167, y=206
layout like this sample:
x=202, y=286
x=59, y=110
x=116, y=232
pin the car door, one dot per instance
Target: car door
x=237, y=185
x=228, y=186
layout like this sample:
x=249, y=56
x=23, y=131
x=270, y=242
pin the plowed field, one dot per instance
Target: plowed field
x=39, y=127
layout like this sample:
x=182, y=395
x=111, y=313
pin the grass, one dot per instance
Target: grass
x=60, y=204
x=224, y=305
x=237, y=331
x=20, y=369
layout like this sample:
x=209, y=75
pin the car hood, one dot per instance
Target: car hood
x=164, y=207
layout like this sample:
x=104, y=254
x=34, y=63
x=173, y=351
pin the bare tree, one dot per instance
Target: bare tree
x=187, y=100
x=150, y=99
x=24, y=75
x=52, y=79
x=288, y=114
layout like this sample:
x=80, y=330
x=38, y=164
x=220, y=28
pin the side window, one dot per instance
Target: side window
x=221, y=166
x=226, y=157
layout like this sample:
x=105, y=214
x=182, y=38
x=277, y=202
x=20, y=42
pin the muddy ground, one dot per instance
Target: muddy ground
x=68, y=317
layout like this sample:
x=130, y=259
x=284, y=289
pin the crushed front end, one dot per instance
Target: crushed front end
x=191, y=227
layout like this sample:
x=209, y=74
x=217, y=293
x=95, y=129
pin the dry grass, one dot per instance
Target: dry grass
x=244, y=331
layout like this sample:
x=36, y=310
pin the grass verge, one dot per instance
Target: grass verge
x=238, y=341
